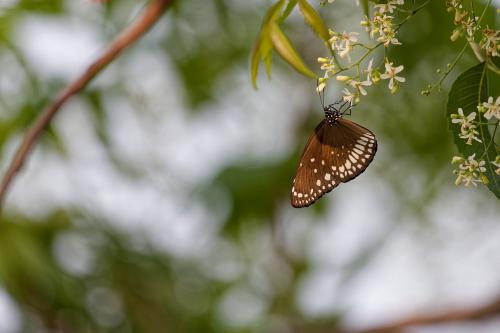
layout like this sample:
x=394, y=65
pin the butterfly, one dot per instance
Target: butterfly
x=338, y=151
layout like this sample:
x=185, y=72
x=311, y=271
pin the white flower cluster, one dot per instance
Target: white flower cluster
x=468, y=24
x=469, y=171
x=496, y=163
x=343, y=43
x=490, y=109
x=381, y=26
x=381, y=29
x=468, y=128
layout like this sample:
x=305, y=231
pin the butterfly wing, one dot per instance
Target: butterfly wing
x=334, y=154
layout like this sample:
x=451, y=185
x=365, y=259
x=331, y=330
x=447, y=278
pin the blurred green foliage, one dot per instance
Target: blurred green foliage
x=130, y=285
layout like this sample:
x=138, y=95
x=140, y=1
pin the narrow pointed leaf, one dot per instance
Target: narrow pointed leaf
x=468, y=91
x=268, y=60
x=312, y=18
x=288, y=9
x=273, y=13
x=366, y=7
x=262, y=46
x=285, y=49
x=255, y=56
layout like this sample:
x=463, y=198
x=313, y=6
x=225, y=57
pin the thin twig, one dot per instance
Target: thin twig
x=152, y=13
x=482, y=312
x=486, y=311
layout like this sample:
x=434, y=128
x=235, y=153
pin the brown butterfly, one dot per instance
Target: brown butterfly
x=338, y=151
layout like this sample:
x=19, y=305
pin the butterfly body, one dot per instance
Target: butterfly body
x=338, y=151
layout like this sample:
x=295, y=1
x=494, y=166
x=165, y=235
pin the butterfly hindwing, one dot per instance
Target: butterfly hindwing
x=356, y=148
x=334, y=154
x=313, y=179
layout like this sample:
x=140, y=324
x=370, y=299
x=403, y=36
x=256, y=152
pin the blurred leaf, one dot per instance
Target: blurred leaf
x=263, y=185
x=291, y=5
x=261, y=49
x=255, y=59
x=268, y=58
x=273, y=13
x=53, y=6
x=468, y=91
x=366, y=7
x=285, y=49
x=314, y=20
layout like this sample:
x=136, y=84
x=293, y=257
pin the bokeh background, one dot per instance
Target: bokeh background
x=158, y=201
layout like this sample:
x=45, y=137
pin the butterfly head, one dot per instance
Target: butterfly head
x=335, y=111
x=332, y=114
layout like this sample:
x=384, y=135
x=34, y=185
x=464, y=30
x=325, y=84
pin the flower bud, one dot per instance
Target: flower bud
x=342, y=78
x=459, y=15
x=455, y=35
x=394, y=89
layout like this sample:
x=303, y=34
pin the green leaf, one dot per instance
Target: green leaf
x=285, y=49
x=291, y=5
x=255, y=60
x=262, y=49
x=273, y=13
x=268, y=57
x=314, y=20
x=366, y=7
x=468, y=91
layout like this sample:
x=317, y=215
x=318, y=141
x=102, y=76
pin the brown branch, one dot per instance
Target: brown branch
x=489, y=310
x=129, y=36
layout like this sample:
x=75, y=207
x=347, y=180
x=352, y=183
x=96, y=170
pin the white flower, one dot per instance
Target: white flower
x=467, y=126
x=497, y=164
x=460, y=118
x=469, y=171
x=492, y=109
x=389, y=6
x=328, y=65
x=390, y=73
x=490, y=41
x=349, y=96
x=343, y=43
x=359, y=85
x=388, y=38
x=470, y=134
x=369, y=70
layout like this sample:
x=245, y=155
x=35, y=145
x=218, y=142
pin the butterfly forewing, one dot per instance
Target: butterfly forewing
x=334, y=154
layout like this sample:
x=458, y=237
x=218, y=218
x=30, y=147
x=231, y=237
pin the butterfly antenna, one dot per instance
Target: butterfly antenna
x=321, y=98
